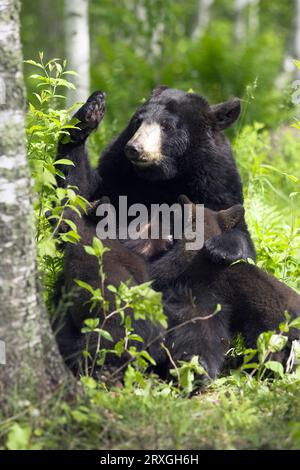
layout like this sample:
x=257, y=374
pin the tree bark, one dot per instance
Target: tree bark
x=202, y=18
x=240, y=22
x=289, y=70
x=33, y=365
x=296, y=39
x=78, y=47
x=254, y=7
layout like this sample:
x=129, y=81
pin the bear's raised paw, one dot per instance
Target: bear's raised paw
x=89, y=116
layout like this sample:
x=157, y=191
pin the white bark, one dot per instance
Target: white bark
x=33, y=365
x=151, y=48
x=202, y=17
x=296, y=41
x=247, y=18
x=254, y=16
x=77, y=42
x=289, y=70
x=240, y=22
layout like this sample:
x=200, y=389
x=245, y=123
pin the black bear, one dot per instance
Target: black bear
x=173, y=144
x=119, y=265
x=251, y=300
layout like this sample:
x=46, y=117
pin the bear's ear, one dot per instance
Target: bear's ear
x=229, y=218
x=158, y=91
x=226, y=113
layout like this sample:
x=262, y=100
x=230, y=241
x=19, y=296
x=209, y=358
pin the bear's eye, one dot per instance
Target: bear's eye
x=167, y=125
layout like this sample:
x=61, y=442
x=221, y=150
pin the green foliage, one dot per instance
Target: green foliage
x=264, y=358
x=229, y=406
x=186, y=373
x=227, y=416
x=269, y=166
x=47, y=122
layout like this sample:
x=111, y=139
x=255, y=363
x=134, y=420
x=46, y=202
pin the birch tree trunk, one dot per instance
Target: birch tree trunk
x=33, y=365
x=254, y=16
x=202, y=18
x=296, y=39
x=240, y=22
x=78, y=47
x=289, y=71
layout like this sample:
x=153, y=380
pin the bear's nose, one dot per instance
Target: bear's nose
x=133, y=150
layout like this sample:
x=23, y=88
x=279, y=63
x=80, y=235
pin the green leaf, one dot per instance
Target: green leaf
x=89, y=382
x=36, y=77
x=32, y=62
x=112, y=288
x=89, y=250
x=135, y=337
x=297, y=63
x=295, y=323
x=71, y=194
x=18, y=437
x=47, y=247
x=98, y=247
x=106, y=335
x=147, y=356
x=70, y=72
x=84, y=285
x=71, y=236
x=277, y=343
x=64, y=161
x=71, y=224
x=275, y=367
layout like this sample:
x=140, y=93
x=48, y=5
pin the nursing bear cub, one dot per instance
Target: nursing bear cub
x=251, y=300
x=119, y=265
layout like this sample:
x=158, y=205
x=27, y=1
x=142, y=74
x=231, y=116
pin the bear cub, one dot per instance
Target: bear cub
x=119, y=265
x=252, y=301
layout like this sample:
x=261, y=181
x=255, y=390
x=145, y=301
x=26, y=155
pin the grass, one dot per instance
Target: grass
x=227, y=416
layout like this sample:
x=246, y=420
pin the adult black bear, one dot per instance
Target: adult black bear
x=173, y=144
x=251, y=300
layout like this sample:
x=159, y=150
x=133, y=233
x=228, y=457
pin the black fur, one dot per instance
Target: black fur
x=120, y=265
x=251, y=300
x=197, y=161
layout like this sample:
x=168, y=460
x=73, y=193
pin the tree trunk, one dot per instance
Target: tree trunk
x=289, y=70
x=253, y=21
x=78, y=47
x=33, y=365
x=296, y=39
x=202, y=18
x=240, y=22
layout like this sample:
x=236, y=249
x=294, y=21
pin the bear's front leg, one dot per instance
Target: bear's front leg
x=73, y=148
